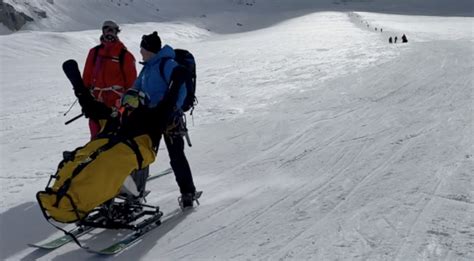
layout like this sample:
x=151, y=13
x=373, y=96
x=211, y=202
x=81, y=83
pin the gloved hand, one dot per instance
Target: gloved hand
x=96, y=110
x=90, y=107
x=133, y=98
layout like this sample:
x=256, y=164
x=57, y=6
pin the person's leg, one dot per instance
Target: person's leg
x=139, y=177
x=179, y=164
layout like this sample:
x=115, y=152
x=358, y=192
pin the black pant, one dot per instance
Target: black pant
x=179, y=163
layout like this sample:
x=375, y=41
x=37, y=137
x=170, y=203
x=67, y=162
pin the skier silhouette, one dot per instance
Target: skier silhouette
x=404, y=39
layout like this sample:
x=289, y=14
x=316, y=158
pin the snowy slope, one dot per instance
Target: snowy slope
x=314, y=140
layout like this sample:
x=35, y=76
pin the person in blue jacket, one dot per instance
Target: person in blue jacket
x=158, y=75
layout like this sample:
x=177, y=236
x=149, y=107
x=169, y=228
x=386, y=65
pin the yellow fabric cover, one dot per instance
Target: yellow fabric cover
x=99, y=181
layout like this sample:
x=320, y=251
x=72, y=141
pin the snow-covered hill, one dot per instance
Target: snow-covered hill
x=314, y=139
x=223, y=16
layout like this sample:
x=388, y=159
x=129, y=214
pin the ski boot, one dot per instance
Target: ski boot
x=186, y=200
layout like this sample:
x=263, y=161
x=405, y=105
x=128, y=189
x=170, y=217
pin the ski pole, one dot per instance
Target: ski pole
x=70, y=107
x=73, y=119
x=188, y=139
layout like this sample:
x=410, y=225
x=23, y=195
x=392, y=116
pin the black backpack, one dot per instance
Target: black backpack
x=186, y=59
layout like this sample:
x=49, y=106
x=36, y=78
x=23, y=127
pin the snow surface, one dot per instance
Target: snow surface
x=314, y=139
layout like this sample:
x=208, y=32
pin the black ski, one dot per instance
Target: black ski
x=71, y=69
x=72, y=72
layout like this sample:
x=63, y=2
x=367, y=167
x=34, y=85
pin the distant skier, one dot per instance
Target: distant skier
x=109, y=71
x=157, y=73
x=390, y=39
x=381, y=29
x=395, y=41
x=404, y=39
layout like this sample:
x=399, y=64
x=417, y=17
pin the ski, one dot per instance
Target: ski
x=131, y=239
x=135, y=237
x=124, y=243
x=72, y=72
x=71, y=69
x=62, y=240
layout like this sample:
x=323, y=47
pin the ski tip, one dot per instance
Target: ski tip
x=69, y=63
x=43, y=247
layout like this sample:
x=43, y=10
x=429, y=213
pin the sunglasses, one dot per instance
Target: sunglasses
x=108, y=29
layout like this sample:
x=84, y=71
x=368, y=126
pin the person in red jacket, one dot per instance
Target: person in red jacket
x=109, y=71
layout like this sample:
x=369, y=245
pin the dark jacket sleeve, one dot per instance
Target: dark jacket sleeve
x=90, y=107
x=96, y=110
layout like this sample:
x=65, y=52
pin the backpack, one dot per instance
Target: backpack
x=185, y=59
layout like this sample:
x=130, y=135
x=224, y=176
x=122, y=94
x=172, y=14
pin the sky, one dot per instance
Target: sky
x=314, y=138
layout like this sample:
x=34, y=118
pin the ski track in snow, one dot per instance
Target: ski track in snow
x=342, y=149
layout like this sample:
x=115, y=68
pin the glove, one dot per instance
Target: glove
x=133, y=98
x=130, y=99
x=96, y=110
x=90, y=107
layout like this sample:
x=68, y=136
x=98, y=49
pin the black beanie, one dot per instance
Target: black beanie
x=151, y=42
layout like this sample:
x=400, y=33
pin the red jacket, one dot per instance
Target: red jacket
x=105, y=76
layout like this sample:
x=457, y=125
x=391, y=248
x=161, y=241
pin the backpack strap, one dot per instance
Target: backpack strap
x=62, y=191
x=162, y=67
x=112, y=141
x=132, y=144
x=96, y=53
x=121, y=58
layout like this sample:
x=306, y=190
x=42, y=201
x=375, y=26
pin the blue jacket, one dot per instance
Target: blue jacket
x=151, y=82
